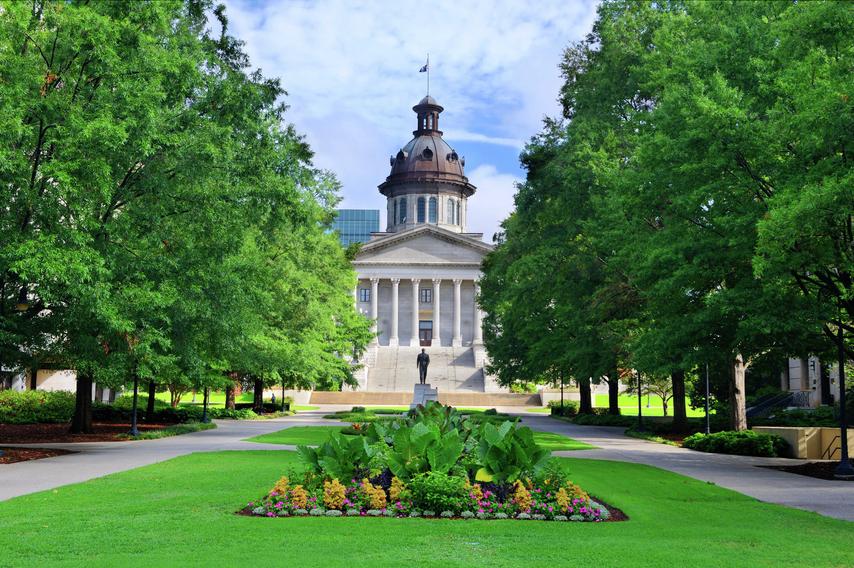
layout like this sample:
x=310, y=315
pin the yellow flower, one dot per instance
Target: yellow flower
x=522, y=497
x=333, y=494
x=477, y=492
x=562, y=498
x=299, y=497
x=576, y=492
x=281, y=486
x=397, y=486
x=375, y=494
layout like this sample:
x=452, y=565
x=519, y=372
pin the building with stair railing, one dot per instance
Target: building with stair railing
x=418, y=279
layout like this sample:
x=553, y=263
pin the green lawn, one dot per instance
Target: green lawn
x=181, y=513
x=629, y=406
x=316, y=435
x=539, y=409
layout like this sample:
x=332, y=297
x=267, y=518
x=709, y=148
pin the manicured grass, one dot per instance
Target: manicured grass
x=316, y=435
x=181, y=512
x=298, y=408
x=629, y=406
x=307, y=435
x=175, y=430
x=539, y=409
x=557, y=442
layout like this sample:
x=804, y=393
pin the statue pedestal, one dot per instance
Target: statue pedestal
x=422, y=394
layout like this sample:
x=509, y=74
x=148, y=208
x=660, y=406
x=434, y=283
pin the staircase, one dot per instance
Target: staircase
x=452, y=369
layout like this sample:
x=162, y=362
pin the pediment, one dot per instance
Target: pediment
x=423, y=245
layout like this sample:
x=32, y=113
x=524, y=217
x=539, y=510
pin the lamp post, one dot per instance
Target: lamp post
x=23, y=303
x=640, y=410
x=205, y=418
x=707, y=399
x=844, y=470
x=134, y=431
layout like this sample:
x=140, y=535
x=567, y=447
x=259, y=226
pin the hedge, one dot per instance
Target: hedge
x=34, y=406
x=744, y=443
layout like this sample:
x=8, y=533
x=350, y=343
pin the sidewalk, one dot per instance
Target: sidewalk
x=739, y=473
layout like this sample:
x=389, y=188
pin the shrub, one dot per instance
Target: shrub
x=745, y=443
x=605, y=420
x=438, y=491
x=569, y=408
x=35, y=406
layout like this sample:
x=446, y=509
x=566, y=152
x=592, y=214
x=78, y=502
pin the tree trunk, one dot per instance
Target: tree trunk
x=614, y=393
x=82, y=421
x=258, y=396
x=229, y=397
x=680, y=414
x=664, y=405
x=737, y=406
x=586, y=397
x=152, y=393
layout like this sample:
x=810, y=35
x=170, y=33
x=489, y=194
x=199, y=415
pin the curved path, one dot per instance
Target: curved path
x=739, y=473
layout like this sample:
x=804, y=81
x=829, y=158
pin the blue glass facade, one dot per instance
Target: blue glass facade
x=356, y=225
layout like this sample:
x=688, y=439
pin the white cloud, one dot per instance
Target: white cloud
x=351, y=70
x=492, y=201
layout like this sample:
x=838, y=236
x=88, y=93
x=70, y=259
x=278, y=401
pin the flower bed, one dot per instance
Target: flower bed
x=433, y=463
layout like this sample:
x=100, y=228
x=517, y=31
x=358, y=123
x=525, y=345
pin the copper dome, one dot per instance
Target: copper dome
x=427, y=158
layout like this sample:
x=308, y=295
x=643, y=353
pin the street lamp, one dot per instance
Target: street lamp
x=205, y=418
x=844, y=470
x=707, y=399
x=134, y=431
x=640, y=410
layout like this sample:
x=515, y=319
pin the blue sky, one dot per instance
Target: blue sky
x=351, y=72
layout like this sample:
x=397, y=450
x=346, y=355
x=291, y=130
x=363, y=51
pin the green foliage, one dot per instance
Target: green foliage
x=339, y=457
x=436, y=491
x=568, y=408
x=27, y=407
x=424, y=447
x=176, y=430
x=509, y=451
x=745, y=443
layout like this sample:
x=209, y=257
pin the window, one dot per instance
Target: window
x=422, y=206
x=394, y=215
x=434, y=210
x=459, y=210
x=402, y=210
x=426, y=295
x=449, y=217
x=364, y=295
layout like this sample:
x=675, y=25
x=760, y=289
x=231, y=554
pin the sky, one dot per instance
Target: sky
x=351, y=70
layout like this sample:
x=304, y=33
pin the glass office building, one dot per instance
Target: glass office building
x=356, y=225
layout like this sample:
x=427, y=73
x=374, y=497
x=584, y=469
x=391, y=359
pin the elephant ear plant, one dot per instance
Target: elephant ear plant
x=508, y=451
x=423, y=448
x=341, y=457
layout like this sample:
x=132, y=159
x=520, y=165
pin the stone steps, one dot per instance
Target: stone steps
x=365, y=398
x=452, y=369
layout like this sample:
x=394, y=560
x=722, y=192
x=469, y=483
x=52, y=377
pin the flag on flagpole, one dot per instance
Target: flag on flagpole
x=424, y=69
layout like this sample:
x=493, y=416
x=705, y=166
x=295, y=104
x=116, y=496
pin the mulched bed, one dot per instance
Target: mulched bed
x=819, y=470
x=13, y=455
x=42, y=433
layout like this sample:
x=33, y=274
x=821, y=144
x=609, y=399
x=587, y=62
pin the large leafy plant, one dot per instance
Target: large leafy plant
x=423, y=448
x=508, y=451
x=341, y=457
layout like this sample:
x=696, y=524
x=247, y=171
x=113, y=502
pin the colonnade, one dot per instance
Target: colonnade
x=457, y=339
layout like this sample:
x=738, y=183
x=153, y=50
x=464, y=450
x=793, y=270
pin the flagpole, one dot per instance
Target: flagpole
x=428, y=74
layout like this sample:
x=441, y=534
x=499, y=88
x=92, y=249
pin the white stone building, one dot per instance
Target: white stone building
x=419, y=278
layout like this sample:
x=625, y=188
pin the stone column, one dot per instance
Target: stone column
x=805, y=373
x=393, y=340
x=437, y=309
x=416, y=291
x=458, y=336
x=375, y=282
x=478, y=329
x=784, y=378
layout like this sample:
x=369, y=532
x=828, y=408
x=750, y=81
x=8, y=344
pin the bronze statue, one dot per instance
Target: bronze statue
x=421, y=362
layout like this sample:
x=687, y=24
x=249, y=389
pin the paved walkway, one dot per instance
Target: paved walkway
x=739, y=473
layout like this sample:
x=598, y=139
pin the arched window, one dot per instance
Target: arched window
x=421, y=213
x=434, y=210
x=402, y=210
x=449, y=214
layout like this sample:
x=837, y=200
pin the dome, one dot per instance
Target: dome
x=427, y=158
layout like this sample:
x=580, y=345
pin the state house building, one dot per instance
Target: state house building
x=418, y=279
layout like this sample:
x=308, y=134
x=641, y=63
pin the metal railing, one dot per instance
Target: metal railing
x=830, y=451
x=765, y=405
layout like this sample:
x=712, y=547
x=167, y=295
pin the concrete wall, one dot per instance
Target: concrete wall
x=56, y=380
x=810, y=442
